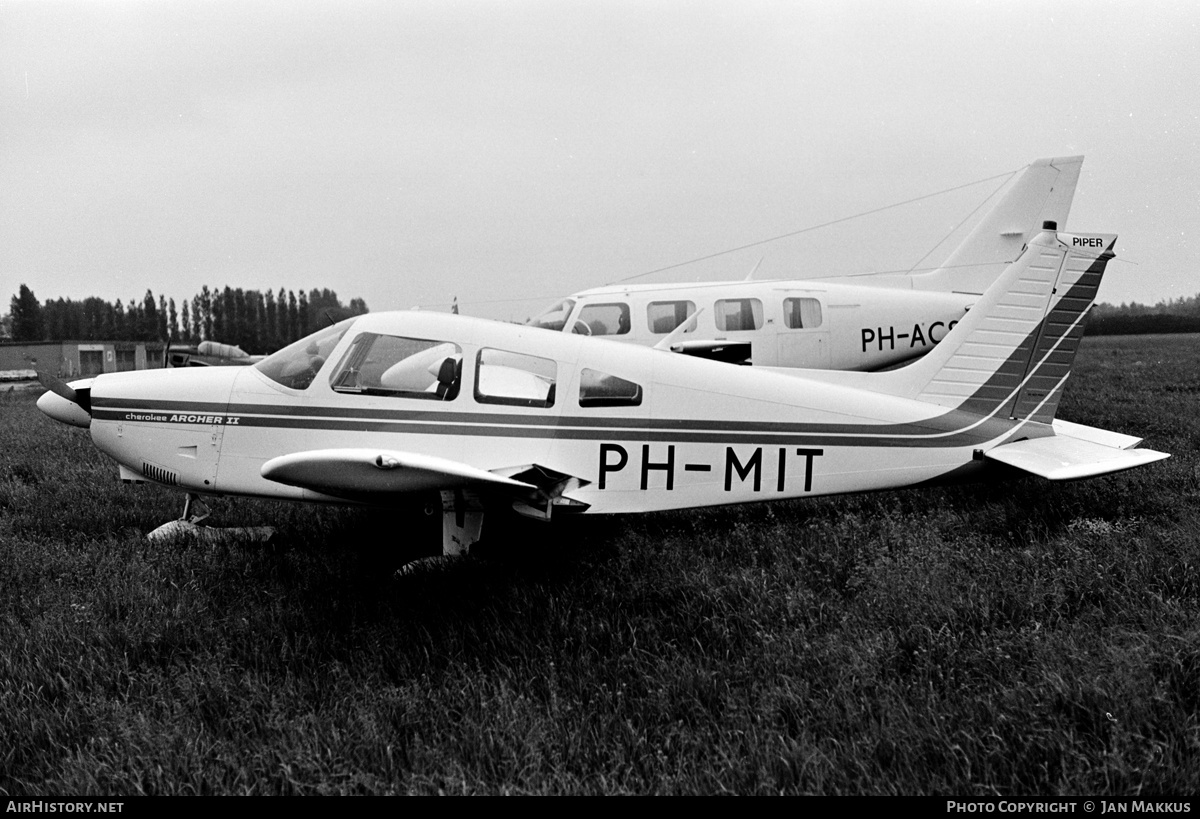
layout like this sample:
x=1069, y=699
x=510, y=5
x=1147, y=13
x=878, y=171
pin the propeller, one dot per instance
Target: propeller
x=62, y=402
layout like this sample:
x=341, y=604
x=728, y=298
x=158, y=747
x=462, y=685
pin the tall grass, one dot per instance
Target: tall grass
x=1017, y=638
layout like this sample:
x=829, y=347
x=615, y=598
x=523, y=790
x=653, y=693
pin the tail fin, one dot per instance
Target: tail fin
x=1042, y=193
x=1011, y=354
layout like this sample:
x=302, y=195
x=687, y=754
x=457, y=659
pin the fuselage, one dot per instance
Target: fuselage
x=641, y=428
x=811, y=325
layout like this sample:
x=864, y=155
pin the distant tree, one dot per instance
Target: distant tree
x=186, y=328
x=229, y=330
x=358, y=307
x=235, y=304
x=26, y=314
x=281, y=319
x=165, y=318
x=147, y=325
x=302, y=315
x=220, y=328
x=172, y=329
x=256, y=313
x=293, y=322
x=94, y=309
x=52, y=319
x=270, y=322
x=73, y=320
x=203, y=318
x=118, y=322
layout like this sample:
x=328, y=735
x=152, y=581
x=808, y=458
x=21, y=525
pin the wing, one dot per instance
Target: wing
x=372, y=474
x=355, y=473
x=1067, y=458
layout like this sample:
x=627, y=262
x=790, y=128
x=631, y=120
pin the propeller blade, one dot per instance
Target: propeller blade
x=81, y=397
x=57, y=386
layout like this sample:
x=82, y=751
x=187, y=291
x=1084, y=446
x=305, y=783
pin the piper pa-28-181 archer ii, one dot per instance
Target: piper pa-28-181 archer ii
x=490, y=414
x=869, y=323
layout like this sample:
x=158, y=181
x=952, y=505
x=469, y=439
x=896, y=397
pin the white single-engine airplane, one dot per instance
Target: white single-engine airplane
x=491, y=414
x=876, y=321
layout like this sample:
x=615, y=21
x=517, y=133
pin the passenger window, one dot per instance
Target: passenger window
x=597, y=389
x=739, y=314
x=603, y=320
x=393, y=365
x=802, y=313
x=515, y=379
x=665, y=316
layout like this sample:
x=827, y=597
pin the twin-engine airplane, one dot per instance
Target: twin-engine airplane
x=490, y=414
x=877, y=321
x=208, y=354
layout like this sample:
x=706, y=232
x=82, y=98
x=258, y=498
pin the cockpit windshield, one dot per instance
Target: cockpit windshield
x=297, y=364
x=555, y=318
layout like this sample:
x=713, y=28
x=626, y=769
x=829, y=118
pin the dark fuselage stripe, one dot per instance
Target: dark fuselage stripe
x=856, y=435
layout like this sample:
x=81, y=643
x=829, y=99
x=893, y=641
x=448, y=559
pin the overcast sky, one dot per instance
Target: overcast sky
x=509, y=153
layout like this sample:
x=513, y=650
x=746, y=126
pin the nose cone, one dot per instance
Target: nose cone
x=64, y=410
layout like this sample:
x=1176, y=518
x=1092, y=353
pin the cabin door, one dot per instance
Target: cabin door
x=804, y=348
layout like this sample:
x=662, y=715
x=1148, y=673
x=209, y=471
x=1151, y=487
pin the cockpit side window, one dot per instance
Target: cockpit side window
x=597, y=389
x=603, y=320
x=802, y=313
x=514, y=379
x=665, y=316
x=296, y=365
x=739, y=314
x=378, y=364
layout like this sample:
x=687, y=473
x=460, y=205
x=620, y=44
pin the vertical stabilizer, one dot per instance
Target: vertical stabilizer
x=1012, y=352
x=1042, y=193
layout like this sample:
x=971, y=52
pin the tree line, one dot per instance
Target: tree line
x=1181, y=315
x=257, y=321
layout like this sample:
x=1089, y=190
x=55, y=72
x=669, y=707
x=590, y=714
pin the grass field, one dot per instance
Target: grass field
x=1022, y=638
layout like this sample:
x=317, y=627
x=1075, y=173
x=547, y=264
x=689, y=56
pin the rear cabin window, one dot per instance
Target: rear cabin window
x=379, y=364
x=597, y=389
x=603, y=320
x=665, y=316
x=739, y=314
x=514, y=379
x=802, y=313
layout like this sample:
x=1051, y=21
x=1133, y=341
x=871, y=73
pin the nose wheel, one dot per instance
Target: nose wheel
x=202, y=510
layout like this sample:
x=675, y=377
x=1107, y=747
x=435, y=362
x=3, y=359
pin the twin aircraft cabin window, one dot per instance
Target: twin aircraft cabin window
x=379, y=364
x=662, y=317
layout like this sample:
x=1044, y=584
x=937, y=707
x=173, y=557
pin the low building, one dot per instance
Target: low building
x=81, y=359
